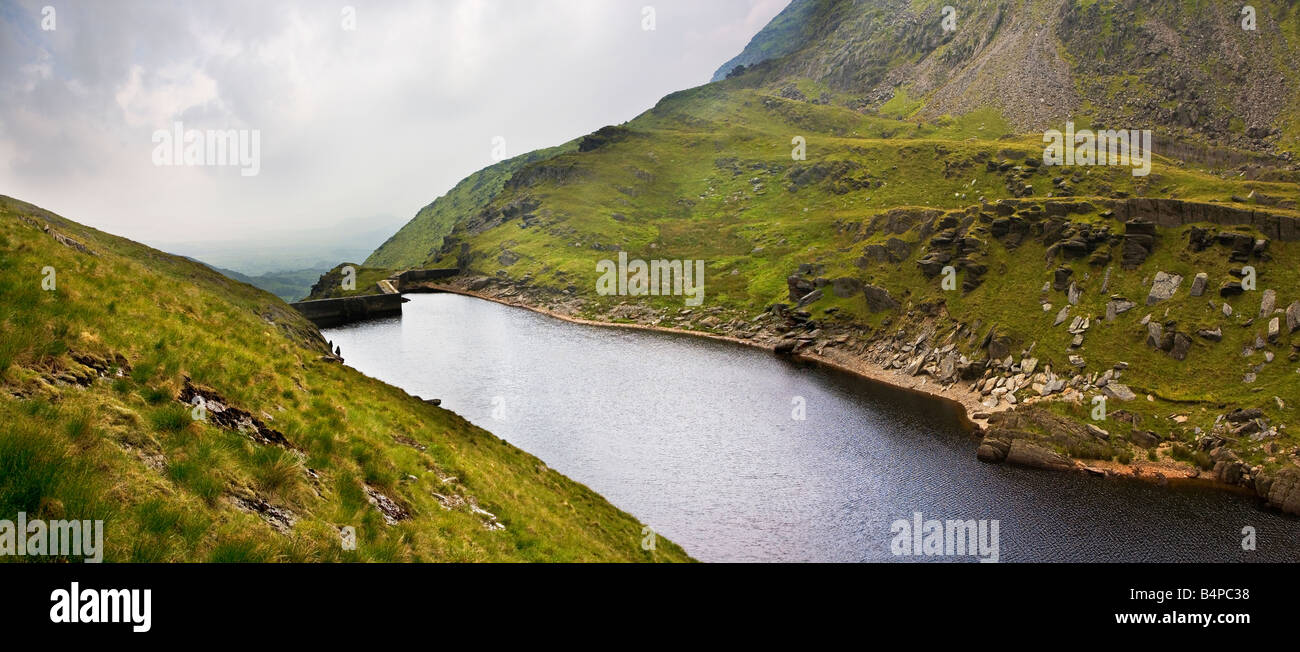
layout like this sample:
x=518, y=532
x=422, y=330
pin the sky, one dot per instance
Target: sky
x=360, y=110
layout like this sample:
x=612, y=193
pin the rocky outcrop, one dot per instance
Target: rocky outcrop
x=1025, y=453
x=878, y=299
x=1283, y=490
x=1139, y=242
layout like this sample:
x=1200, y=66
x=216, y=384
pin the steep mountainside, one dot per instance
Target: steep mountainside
x=111, y=348
x=1188, y=69
x=421, y=238
x=879, y=197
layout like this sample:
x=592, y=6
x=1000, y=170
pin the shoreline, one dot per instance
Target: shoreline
x=1163, y=474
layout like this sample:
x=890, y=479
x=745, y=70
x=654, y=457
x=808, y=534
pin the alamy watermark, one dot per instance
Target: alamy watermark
x=951, y=538
x=1102, y=147
x=60, y=538
x=78, y=605
x=210, y=147
x=638, y=278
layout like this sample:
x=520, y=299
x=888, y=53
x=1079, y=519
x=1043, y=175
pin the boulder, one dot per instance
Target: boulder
x=1116, y=307
x=1215, y=335
x=1062, y=316
x=1293, y=317
x=1026, y=453
x=810, y=298
x=846, y=286
x=993, y=450
x=1119, y=392
x=1074, y=294
x=1274, y=330
x=799, y=287
x=1155, y=334
x=1267, y=303
x=1198, y=284
x=1284, y=490
x=1144, y=438
x=1182, y=344
x=878, y=299
x=1097, y=432
x=1061, y=278
x=1164, y=287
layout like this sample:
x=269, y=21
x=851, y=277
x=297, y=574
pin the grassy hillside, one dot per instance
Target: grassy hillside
x=422, y=237
x=97, y=379
x=330, y=284
x=708, y=174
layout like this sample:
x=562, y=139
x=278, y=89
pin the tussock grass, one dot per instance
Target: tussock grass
x=125, y=450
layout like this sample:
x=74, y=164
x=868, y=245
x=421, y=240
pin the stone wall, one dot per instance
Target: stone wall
x=420, y=275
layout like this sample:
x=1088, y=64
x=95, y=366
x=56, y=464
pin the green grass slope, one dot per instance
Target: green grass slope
x=94, y=374
x=421, y=238
x=330, y=284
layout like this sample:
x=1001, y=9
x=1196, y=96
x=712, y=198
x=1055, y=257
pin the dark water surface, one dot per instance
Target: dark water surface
x=696, y=439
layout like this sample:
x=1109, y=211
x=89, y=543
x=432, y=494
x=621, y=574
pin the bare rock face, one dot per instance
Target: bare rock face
x=878, y=299
x=1284, y=491
x=1026, y=453
x=846, y=286
x=993, y=450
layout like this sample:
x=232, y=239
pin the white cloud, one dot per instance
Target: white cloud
x=375, y=121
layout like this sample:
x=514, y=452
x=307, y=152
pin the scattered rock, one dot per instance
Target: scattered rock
x=1118, y=392
x=1164, y=287
x=1267, y=303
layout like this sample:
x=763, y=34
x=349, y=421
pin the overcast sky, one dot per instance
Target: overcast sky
x=353, y=123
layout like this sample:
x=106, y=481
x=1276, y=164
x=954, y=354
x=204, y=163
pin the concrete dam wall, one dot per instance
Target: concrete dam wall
x=387, y=300
x=334, y=312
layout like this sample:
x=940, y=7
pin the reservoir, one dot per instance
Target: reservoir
x=700, y=440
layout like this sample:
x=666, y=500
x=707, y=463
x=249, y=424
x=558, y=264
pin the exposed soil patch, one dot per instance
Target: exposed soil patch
x=407, y=441
x=277, y=517
x=392, y=511
x=232, y=418
x=456, y=502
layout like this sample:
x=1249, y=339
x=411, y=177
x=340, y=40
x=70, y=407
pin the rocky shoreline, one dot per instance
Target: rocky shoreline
x=1005, y=433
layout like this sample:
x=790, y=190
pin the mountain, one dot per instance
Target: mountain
x=874, y=192
x=203, y=419
x=421, y=238
x=1189, y=70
